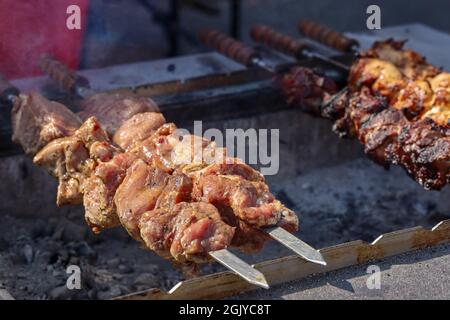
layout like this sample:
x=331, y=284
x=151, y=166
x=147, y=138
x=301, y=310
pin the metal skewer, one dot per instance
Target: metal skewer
x=242, y=268
x=69, y=80
x=300, y=247
x=76, y=84
x=297, y=48
x=248, y=56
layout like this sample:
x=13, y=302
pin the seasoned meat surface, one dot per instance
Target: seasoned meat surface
x=113, y=109
x=37, y=121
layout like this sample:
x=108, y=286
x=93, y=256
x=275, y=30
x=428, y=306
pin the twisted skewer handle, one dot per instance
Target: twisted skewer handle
x=273, y=39
x=228, y=46
x=7, y=91
x=327, y=36
x=61, y=74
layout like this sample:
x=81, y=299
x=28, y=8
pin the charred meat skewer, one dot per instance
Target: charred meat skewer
x=395, y=103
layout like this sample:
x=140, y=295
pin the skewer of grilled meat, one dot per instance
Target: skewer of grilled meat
x=401, y=75
x=399, y=109
x=127, y=136
x=397, y=105
x=72, y=163
x=146, y=187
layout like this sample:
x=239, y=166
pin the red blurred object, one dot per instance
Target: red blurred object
x=29, y=29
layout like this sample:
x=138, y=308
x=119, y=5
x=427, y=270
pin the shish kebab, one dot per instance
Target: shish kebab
x=25, y=148
x=59, y=72
x=42, y=125
x=395, y=103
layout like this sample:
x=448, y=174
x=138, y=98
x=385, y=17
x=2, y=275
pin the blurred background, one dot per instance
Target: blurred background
x=122, y=31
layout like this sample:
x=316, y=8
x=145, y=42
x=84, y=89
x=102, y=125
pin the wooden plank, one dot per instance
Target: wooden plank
x=225, y=284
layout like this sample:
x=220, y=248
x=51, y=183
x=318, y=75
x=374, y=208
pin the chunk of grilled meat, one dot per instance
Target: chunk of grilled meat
x=113, y=109
x=137, y=194
x=100, y=189
x=187, y=232
x=405, y=79
x=72, y=159
x=36, y=121
x=410, y=63
x=304, y=89
x=139, y=127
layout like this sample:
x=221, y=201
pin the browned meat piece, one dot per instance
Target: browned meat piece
x=405, y=79
x=251, y=201
x=156, y=150
x=178, y=189
x=112, y=110
x=137, y=194
x=99, y=191
x=304, y=89
x=186, y=233
x=421, y=147
x=36, y=121
x=425, y=153
x=138, y=128
x=73, y=159
x=246, y=238
x=412, y=64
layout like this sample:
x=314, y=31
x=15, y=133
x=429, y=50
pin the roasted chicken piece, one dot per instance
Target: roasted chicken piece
x=405, y=79
x=410, y=63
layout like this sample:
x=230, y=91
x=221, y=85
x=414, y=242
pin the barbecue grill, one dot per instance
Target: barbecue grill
x=246, y=97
